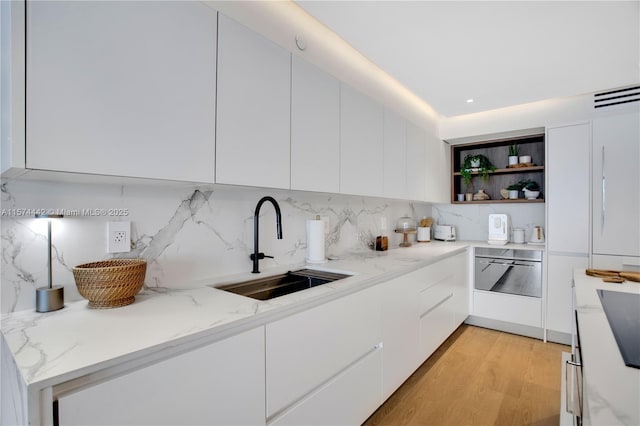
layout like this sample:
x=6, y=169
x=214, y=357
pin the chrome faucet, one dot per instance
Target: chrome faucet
x=256, y=256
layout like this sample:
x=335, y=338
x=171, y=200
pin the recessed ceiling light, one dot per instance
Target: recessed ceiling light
x=469, y=101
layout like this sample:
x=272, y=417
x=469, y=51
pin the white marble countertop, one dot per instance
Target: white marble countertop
x=56, y=347
x=611, y=389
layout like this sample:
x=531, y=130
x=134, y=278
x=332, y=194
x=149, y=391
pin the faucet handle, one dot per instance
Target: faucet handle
x=252, y=256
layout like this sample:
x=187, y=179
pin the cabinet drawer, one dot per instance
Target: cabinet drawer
x=508, y=307
x=348, y=399
x=306, y=349
x=436, y=325
x=436, y=294
x=204, y=386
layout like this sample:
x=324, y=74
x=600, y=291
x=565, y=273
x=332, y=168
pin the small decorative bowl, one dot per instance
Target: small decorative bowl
x=531, y=195
x=110, y=283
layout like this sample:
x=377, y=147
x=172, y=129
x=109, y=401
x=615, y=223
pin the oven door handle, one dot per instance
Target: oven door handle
x=507, y=263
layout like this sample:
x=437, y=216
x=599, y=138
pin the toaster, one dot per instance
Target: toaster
x=445, y=233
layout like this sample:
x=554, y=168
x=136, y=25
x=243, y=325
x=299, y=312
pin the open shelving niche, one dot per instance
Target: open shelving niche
x=497, y=151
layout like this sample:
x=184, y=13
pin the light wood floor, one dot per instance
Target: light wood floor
x=480, y=377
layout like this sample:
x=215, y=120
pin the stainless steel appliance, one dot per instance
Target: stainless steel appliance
x=510, y=271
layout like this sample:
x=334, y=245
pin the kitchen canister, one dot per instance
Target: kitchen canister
x=424, y=234
x=315, y=241
x=518, y=235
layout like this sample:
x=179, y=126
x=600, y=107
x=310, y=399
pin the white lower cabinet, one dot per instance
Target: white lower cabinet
x=219, y=384
x=442, y=302
x=347, y=399
x=420, y=310
x=400, y=330
x=308, y=350
x=508, y=307
x=332, y=364
x=559, y=294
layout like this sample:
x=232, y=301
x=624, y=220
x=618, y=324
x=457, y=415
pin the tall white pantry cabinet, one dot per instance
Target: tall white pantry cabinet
x=616, y=191
x=568, y=206
x=593, y=205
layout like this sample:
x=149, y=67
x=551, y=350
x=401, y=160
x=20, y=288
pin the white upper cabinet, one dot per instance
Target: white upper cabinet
x=568, y=188
x=315, y=128
x=395, y=155
x=122, y=88
x=253, y=114
x=437, y=172
x=361, y=144
x=616, y=179
x=416, y=162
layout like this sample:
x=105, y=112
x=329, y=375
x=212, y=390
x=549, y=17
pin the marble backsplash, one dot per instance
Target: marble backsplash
x=185, y=233
x=472, y=220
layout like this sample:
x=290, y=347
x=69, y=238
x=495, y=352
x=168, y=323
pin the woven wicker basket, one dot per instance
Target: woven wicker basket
x=110, y=283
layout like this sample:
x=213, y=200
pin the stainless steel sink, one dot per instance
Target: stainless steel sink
x=278, y=285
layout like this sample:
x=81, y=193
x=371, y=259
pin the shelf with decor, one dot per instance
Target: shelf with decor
x=497, y=178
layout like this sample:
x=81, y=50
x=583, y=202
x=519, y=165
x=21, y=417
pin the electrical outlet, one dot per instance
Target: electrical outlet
x=118, y=237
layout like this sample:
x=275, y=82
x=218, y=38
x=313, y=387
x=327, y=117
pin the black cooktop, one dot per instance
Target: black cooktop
x=623, y=314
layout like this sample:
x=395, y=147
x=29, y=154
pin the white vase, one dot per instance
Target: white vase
x=513, y=160
x=513, y=194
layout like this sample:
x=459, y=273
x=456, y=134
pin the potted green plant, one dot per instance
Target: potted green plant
x=530, y=188
x=475, y=163
x=513, y=154
x=514, y=190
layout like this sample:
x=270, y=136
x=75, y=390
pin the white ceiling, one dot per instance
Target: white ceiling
x=499, y=53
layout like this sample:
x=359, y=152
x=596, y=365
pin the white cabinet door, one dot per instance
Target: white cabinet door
x=315, y=128
x=559, y=293
x=508, y=307
x=306, y=350
x=361, y=144
x=437, y=170
x=416, y=162
x=122, y=88
x=253, y=112
x=627, y=263
x=568, y=188
x=616, y=185
x=395, y=156
x=461, y=287
x=219, y=384
x=442, y=302
x=347, y=399
x=400, y=325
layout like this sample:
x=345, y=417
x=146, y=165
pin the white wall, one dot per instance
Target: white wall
x=186, y=234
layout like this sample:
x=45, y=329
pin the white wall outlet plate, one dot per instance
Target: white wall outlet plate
x=118, y=237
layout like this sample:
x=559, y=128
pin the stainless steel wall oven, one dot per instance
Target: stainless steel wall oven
x=505, y=270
